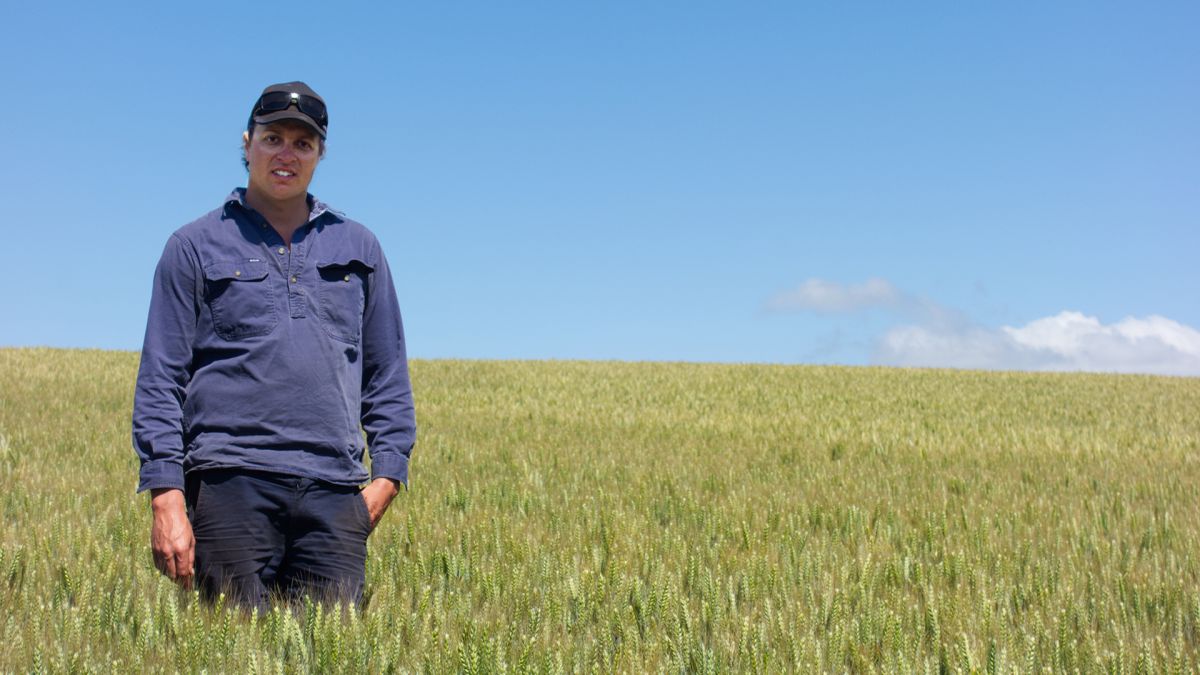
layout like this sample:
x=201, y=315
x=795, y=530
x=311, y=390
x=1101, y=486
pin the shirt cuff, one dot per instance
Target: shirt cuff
x=160, y=474
x=391, y=465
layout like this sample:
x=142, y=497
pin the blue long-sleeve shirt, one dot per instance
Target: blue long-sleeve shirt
x=266, y=358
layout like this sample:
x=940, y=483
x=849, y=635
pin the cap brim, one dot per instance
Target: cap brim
x=289, y=114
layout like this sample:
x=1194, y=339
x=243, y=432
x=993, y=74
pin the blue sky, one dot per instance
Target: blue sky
x=1001, y=185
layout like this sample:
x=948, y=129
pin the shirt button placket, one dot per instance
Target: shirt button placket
x=296, y=301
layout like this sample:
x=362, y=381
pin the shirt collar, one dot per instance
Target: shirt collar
x=317, y=208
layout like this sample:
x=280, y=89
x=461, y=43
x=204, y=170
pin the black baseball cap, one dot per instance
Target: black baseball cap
x=291, y=101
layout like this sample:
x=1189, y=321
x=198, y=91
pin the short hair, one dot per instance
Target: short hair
x=250, y=130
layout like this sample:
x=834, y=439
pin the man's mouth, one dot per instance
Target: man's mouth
x=283, y=173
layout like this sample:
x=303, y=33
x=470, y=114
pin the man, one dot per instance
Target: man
x=273, y=333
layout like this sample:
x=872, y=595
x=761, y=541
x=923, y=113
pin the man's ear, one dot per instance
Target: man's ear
x=246, y=139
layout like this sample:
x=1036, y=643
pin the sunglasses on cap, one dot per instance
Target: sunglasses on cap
x=275, y=101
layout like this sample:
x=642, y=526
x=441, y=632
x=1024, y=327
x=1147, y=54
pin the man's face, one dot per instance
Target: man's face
x=282, y=158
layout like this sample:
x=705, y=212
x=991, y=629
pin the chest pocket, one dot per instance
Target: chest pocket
x=342, y=294
x=239, y=295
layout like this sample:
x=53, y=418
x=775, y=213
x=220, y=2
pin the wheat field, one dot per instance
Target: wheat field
x=654, y=517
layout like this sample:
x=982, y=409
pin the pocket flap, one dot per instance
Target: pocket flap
x=350, y=263
x=237, y=270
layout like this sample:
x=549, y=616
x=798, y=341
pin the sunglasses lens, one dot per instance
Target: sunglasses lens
x=274, y=101
x=313, y=108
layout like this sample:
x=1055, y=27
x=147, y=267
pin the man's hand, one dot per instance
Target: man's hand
x=379, y=495
x=171, y=538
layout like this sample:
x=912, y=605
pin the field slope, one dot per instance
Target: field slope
x=569, y=516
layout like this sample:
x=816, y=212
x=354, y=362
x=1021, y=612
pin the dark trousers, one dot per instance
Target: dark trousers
x=261, y=535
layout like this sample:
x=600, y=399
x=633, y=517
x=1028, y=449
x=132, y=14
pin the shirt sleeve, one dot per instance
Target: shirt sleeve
x=165, y=368
x=387, y=413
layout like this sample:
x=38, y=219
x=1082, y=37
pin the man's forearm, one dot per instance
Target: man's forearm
x=167, y=498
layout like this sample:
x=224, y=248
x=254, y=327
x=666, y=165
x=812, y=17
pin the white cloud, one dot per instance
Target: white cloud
x=949, y=347
x=818, y=295
x=1066, y=341
x=941, y=337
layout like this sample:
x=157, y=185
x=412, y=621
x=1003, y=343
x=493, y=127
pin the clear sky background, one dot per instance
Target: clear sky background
x=998, y=185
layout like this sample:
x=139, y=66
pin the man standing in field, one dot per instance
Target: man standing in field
x=273, y=333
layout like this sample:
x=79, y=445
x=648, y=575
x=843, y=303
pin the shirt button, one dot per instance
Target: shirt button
x=293, y=280
x=237, y=273
x=282, y=250
x=346, y=278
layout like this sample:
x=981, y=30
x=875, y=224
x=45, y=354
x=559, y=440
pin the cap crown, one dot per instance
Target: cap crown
x=291, y=100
